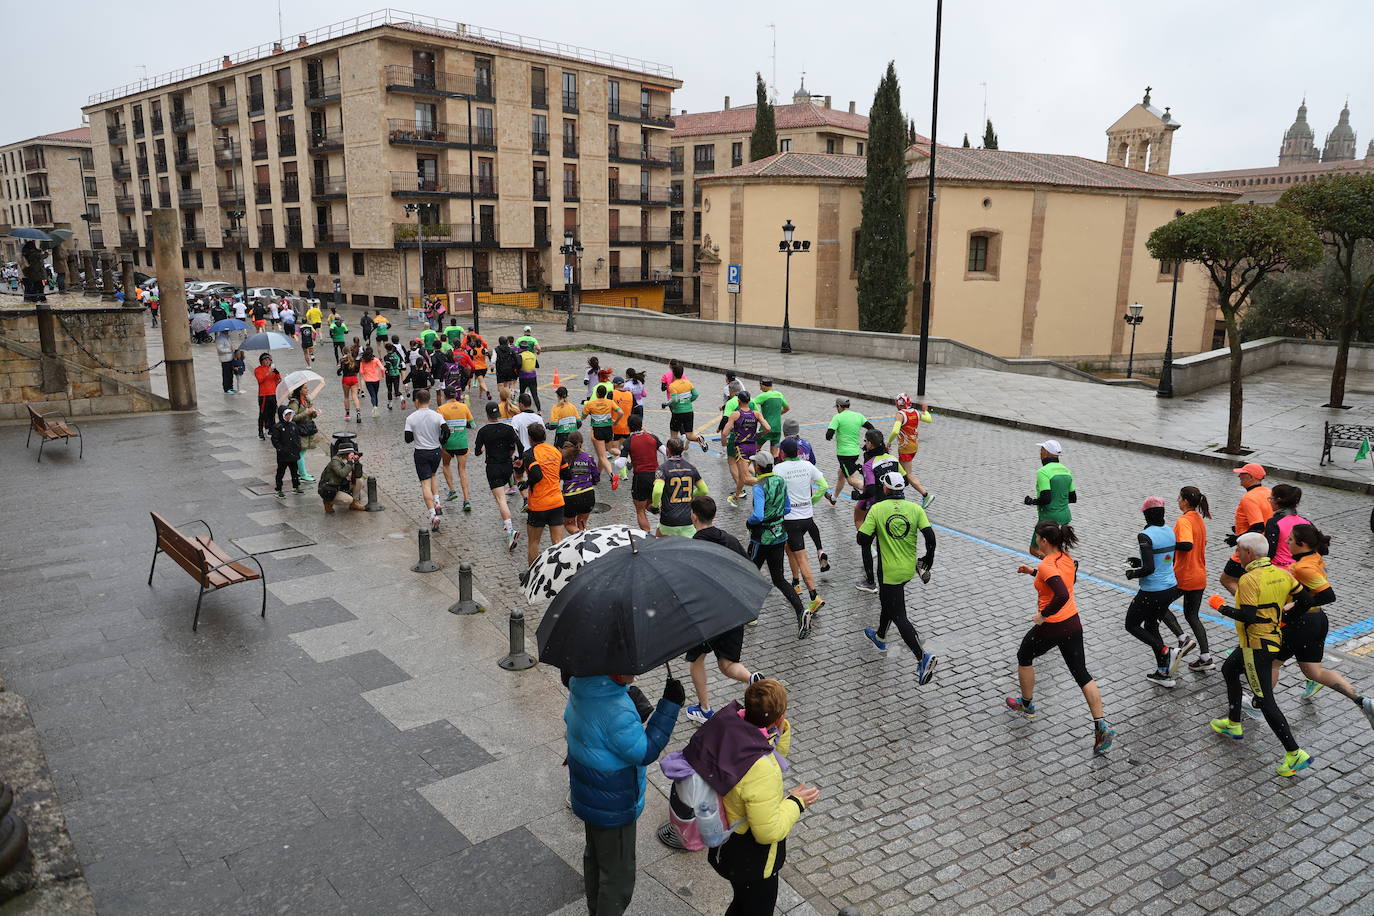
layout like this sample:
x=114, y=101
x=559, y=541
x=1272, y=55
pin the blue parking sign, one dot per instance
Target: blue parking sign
x=732, y=273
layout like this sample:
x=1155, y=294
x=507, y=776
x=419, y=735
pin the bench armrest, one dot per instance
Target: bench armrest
x=247, y=556
x=196, y=521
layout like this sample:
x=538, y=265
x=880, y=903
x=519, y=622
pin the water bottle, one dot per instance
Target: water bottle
x=713, y=833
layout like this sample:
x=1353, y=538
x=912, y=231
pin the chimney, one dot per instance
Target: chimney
x=851, y=107
x=301, y=43
x=827, y=101
x=277, y=48
x=226, y=62
x=727, y=103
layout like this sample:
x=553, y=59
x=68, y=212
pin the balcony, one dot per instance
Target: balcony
x=570, y=102
x=436, y=133
x=323, y=90
x=188, y=198
x=327, y=187
x=142, y=165
x=182, y=121
x=539, y=144
x=635, y=152
x=266, y=237
x=157, y=123
x=446, y=235
x=121, y=170
x=541, y=190
x=293, y=236
x=569, y=147
x=224, y=112
x=637, y=276
x=570, y=190
x=444, y=85
x=262, y=192
x=230, y=195
x=258, y=146
x=146, y=201
x=639, y=235
x=124, y=204
x=186, y=159
x=542, y=239
x=97, y=239
x=164, y=199
x=192, y=238
x=290, y=189
x=335, y=234
x=539, y=98
x=285, y=100
x=641, y=113
x=33, y=163
x=643, y=195
x=139, y=130
x=675, y=197
x=286, y=145
x=38, y=190
x=128, y=238
x=676, y=163
x=256, y=104
x=325, y=139
x=117, y=133
x=408, y=184
x=227, y=153
x=42, y=216
x=234, y=236
x=159, y=162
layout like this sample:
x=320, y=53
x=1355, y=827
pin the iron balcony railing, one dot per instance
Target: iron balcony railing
x=230, y=194
x=622, y=276
x=324, y=139
x=159, y=162
x=541, y=190
x=146, y=201
x=570, y=102
x=266, y=237
x=262, y=192
x=328, y=186
x=236, y=235
x=186, y=159
x=293, y=236
x=121, y=169
x=128, y=238
x=439, y=133
x=333, y=234
x=182, y=121
x=570, y=147
x=453, y=85
x=649, y=113
x=405, y=184
x=284, y=99
x=142, y=162
x=224, y=112
x=639, y=235
x=157, y=123
x=193, y=237
x=117, y=133
x=227, y=152
x=256, y=103
x=570, y=189
x=97, y=238
x=286, y=145
x=409, y=234
x=652, y=195
x=290, y=189
x=124, y=203
x=539, y=97
x=164, y=199
x=539, y=143
x=258, y=145
x=324, y=89
x=188, y=198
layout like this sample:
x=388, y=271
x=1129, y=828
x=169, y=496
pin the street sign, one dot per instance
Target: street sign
x=567, y=273
x=732, y=273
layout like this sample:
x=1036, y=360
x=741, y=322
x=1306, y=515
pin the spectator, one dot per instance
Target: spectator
x=342, y=477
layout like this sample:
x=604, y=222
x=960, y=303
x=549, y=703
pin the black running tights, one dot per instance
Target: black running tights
x=774, y=555
x=892, y=600
x=1142, y=622
x=1192, y=604
x=1233, y=669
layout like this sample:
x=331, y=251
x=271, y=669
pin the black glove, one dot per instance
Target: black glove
x=1031, y=500
x=673, y=692
x=1231, y=540
x=1133, y=562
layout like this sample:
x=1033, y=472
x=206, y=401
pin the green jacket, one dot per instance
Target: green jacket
x=339, y=474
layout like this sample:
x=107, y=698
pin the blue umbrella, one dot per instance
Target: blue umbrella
x=230, y=324
x=23, y=232
x=268, y=340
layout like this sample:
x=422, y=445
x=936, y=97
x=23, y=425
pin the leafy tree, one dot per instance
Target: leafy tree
x=966, y=143
x=883, y=281
x=989, y=137
x=1306, y=304
x=1239, y=245
x=763, y=142
x=1341, y=209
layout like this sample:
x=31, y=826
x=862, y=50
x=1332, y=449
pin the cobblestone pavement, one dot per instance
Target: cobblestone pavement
x=360, y=751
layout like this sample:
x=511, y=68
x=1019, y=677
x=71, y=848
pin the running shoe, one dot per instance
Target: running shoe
x=1102, y=739
x=830, y=496
x=1367, y=707
x=374, y=412
x=732, y=501
x=1202, y=664
x=1249, y=705
x=615, y=481
x=1161, y=678
x=347, y=414
x=359, y=417
x=756, y=677
x=1294, y=761
x=668, y=836
x=307, y=478
x=452, y=495
x=705, y=446
x=872, y=635
x=388, y=406
x=1023, y=706
x=925, y=671
x=1175, y=660
x=403, y=403
x=923, y=570
x=1186, y=644
x=927, y=500
x=298, y=489
x=1228, y=728
x=467, y=506
x=796, y=586
x=434, y=520
x=824, y=559
x=1310, y=688
x=510, y=539
x=867, y=585
x=699, y=715
x=281, y=495
x=804, y=624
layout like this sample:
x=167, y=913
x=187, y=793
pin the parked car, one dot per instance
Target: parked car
x=211, y=288
x=274, y=293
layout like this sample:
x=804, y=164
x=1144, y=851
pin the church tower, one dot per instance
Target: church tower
x=1298, y=145
x=1340, y=143
x=1142, y=138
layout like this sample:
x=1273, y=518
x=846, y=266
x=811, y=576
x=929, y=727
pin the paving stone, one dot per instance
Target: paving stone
x=541, y=884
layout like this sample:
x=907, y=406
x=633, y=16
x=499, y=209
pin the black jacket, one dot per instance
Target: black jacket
x=286, y=439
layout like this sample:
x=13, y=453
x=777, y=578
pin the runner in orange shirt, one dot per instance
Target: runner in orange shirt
x=477, y=347
x=1190, y=567
x=601, y=412
x=1252, y=512
x=545, y=490
x=625, y=400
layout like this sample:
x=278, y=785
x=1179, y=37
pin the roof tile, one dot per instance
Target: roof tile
x=740, y=120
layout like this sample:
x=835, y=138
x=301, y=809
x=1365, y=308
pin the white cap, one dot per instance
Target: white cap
x=894, y=480
x=527, y=329
x=1052, y=446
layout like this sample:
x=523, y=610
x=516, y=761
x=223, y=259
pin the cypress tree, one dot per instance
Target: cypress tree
x=763, y=142
x=910, y=132
x=989, y=137
x=883, y=281
x=966, y=146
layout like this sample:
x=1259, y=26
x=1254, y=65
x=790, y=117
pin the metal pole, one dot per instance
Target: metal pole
x=570, y=325
x=472, y=222
x=930, y=210
x=1166, y=373
x=176, y=331
x=243, y=257
x=787, y=304
x=465, y=603
x=734, y=355
x=425, y=564
x=1130, y=360
x=420, y=237
x=517, y=659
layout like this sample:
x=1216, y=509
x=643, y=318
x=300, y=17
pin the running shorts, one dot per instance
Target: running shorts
x=578, y=504
x=1233, y=569
x=1067, y=636
x=848, y=464
x=681, y=531
x=681, y=422
x=603, y=433
x=907, y=457
x=426, y=462
x=642, y=486
x=350, y=381
x=797, y=529
x=1304, y=637
x=455, y=451
x=728, y=645
x=479, y=373
x=498, y=476
x=770, y=438
x=543, y=518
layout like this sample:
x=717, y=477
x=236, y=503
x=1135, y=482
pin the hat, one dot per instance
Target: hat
x=903, y=401
x=766, y=381
x=762, y=460
x=789, y=447
x=894, y=480
x=842, y=402
x=1052, y=446
x=287, y=413
x=527, y=329
x=618, y=380
x=349, y=450
x=1152, y=502
x=1256, y=471
x=790, y=427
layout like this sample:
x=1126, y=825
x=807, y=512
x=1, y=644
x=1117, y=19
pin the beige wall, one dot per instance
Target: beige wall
x=65, y=197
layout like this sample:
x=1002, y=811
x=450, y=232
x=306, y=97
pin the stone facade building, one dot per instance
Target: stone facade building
x=1142, y=138
x=49, y=182
x=352, y=148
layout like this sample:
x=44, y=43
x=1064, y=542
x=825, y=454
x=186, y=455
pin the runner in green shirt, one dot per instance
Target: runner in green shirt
x=453, y=332
x=430, y=338
x=338, y=333
x=772, y=405
x=1054, y=489
x=845, y=429
x=527, y=338
x=894, y=523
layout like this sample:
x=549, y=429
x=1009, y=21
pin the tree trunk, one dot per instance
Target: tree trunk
x=1338, y=371
x=1233, y=423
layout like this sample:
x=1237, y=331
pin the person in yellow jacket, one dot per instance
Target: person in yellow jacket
x=751, y=857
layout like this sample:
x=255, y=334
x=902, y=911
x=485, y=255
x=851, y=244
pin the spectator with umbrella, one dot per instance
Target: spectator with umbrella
x=268, y=377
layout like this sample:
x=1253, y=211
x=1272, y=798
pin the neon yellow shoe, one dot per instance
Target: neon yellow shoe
x=1294, y=761
x=1228, y=728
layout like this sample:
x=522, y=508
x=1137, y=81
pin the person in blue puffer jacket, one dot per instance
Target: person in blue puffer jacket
x=608, y=749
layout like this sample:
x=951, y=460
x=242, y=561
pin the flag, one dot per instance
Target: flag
x=1363, y=453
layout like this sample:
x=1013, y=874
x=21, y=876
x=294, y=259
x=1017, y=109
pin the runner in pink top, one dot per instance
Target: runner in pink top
x=1284, y=498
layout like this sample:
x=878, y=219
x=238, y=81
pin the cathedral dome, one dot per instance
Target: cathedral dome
x=1343, y=130
x=1300, y=128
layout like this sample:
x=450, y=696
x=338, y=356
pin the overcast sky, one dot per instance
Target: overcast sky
x=1057, y=72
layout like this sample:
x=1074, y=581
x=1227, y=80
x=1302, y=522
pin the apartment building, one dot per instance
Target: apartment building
x=707, y=141
x=371, y=144
x=49, y=182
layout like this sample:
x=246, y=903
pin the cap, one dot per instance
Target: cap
x=790, y=427
x=1256, y=471
x=527, y=329
x=1052, y=446
x=762, y=460
x=789, y=447
x=287, y=413
x=842, y=402
x=1152, y=502
x=894, y=480
x=903, y=401
x=766, y=381
x=492, y=409
x=618, y=380
x=349, y=450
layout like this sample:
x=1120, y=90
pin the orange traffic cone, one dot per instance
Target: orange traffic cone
x=556, y=381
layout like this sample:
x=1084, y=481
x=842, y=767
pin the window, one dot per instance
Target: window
x=186, y=259
x=675, y=159
x=696, y=225
x=281, y=262
x=283, y=76
x=200, y=260
x=569, y=137
x=425, y=116
x=978, y=254
x=94, y=210
x=704, y=157
x=539, y=88
x=89, y=187
x=333, y=262
x=569, y=91
x=736, y=154
x=859, y=147
x=310, y=262
x=359, y=264
x=830, y=145
x=257, y=261
x=570, y=182
x=539, y=132
x=984, y=253
x=214, y=258
x=784, y=146
x=486, y=127
x=481, y=71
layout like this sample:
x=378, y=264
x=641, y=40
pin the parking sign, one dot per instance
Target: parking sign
x=732, y=275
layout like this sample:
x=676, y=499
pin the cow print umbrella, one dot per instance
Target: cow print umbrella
x=552, y=569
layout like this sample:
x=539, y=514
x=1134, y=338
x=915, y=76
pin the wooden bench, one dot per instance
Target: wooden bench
x=205, y=560
x=51, y=427
x=1347, y=435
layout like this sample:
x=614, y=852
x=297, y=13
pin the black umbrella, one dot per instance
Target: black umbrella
x=640, y=606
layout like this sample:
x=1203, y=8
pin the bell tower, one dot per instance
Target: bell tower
x=1142, y=138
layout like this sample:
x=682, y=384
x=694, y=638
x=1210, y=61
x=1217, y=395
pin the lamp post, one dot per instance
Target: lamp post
x=1166, y=372
x=570, y=249
x=237, y=217
x=420, y=239
x=924, y=348
x=85, y=203
x=1133, y=317
x=789, y=247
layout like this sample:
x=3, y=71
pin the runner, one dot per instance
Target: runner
x=1283, y=499
x=338, y=335
x=1190, y=568
x=543, y=485
x=844, y=430
x=1252, y=512
x=426, y=431
x=308, y=333
x=314, y=317
x=563, y=418
x=459, y=419
x=681, y=418
x=624, y=400
x=1261, y=594
x=453, y=333
x=1158, y=589
x=498, y=440
x=869, y=489
x=893, y=523
x=477, y=347
x=527, y=339
x=772, y=405
x=419, y=377
x=905, y=432
x=1056, y=624
x=601, y=412
x=806, y=486
x=580, y=476
x=528, y=374
x=676, y=485
x=591, y=376
x=768, y=540
x=729, y=646
x=791, y=430
x=642, y=448
x=370, y=370
x=394, y=363
x=507, y=367
x=524, y=420
x=347, y=370
x=1054, y=489
x=381, y=326
x=740, y=434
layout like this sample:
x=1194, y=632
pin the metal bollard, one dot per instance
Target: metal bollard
x=372, y=504
x=465, y=604
x=517, y=659
x=425, y=564
x=849, y=911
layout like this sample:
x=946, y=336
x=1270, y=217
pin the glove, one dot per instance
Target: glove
x=1231, y=540
x=1031, y=500
x=1132, y=562
x=1132, y=572
x=673, y=692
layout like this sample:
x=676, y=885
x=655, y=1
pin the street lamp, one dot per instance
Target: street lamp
x=1133, y=317
x=85, y=204
x=420, y=238
x=789, y=247
x=237, y=217
x=1166, y=373
x=570, y=249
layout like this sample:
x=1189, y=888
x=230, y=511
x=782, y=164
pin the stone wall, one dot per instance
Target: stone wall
x=1203, y=370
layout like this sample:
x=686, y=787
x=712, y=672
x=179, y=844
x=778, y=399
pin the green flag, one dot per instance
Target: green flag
x=1363, y=453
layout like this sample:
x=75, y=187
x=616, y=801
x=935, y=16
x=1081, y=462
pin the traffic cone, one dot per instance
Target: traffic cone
x=556, y=381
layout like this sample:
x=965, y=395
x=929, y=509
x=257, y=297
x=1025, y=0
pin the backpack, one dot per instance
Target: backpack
x=695, y=810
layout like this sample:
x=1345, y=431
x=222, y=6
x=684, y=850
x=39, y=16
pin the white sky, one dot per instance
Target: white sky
x=1058, y=72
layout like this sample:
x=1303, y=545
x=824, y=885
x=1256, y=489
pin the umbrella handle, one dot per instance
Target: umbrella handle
x=669, y=666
